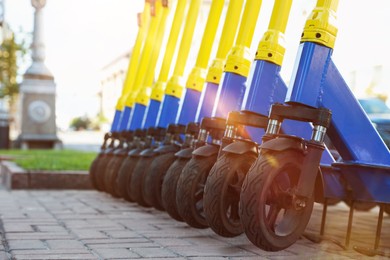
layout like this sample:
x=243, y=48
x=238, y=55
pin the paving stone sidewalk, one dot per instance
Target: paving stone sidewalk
x=93, y=225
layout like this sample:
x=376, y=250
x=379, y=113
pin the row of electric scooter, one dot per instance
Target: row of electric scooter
x=237, y=150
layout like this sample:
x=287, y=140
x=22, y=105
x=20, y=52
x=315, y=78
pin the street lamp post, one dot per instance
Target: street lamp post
x=37, y=93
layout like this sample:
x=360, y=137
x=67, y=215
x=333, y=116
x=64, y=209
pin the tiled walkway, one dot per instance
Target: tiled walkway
x=93, y=225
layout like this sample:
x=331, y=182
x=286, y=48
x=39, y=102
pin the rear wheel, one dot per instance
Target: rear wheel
x=222, y=193
x=124, y=177
x=190, y=188
x=137, y=180
x=154, y=178
x=168, y=193
x=272, y=215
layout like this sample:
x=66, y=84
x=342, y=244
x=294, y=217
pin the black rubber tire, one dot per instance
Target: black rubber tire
x=154, y=178
x=124, y=177
x=270, y=181
x=190, y=188
x=135, y=190
x=360, y=205
x=112, y=174
x=93, y=169
x=168, y=192
x=101, y=171
x=222, y=193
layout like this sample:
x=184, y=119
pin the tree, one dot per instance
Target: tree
x=80, y=123
x=10, y=53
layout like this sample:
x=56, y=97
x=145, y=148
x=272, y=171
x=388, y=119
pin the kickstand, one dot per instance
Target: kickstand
x=374, y=251
x=321, y=237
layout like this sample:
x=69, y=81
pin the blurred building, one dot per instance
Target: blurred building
x=370, y=81
x=112, y=79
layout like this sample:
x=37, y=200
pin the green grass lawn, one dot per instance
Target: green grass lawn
x=51, y=159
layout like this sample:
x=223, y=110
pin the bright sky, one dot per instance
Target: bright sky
x=83, y=36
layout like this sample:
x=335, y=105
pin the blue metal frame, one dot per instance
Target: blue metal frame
x=188, y=107
x=207, y=100
x=317, y=82
x=230, y=95
x=151, y=113
x=137, y=116
x=115, y=126
x=124, y=123
x=267, y=87
x=168, y=111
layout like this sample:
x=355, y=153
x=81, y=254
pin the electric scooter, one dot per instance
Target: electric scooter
x=168, y=189
x=278, y=192
x=142, y=99
x=143, y=35
x=189, y=190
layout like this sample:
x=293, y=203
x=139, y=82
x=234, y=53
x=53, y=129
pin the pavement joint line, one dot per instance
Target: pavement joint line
x=62, y=224
x=4, y=240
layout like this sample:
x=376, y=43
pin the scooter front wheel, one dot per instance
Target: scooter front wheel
x=138, y=179
x=154, y=179
x=190, y=187
x=272, y=215
x=222, y=193
x=168, y=192
x=124, y=177
x=112, y=174
x=101, y=171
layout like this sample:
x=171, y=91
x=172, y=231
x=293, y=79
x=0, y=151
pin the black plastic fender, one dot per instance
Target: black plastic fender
x=135, y=152
x=241, y=147
x=284, y=143
x=167, y=149
x=148, y=152
x=185, y=153
x=206, y=150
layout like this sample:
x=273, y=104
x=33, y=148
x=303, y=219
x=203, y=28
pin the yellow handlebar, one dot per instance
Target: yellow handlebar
x=143, y=95
x=159, y=86
x=186, y=39
x=248, y=23
x=197, y=77
x=134, y=60
x=239, y=59
x=272, y=46
x=150, y=72
x=321, y=27
x=229, y=32
x=172, y=41
x=230, y=27
x=145, y=56
x=209, y=33
x=174, y=85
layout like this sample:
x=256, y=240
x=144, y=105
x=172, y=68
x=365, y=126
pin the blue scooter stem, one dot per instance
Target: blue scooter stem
x=267, y=87
x=230, y=95
x=167, y=113
x=136, y=116
x=207, y=101
x=189, y=106
x=115, y=123
x=323, y=86
x=151, y=114
x=124, y=123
